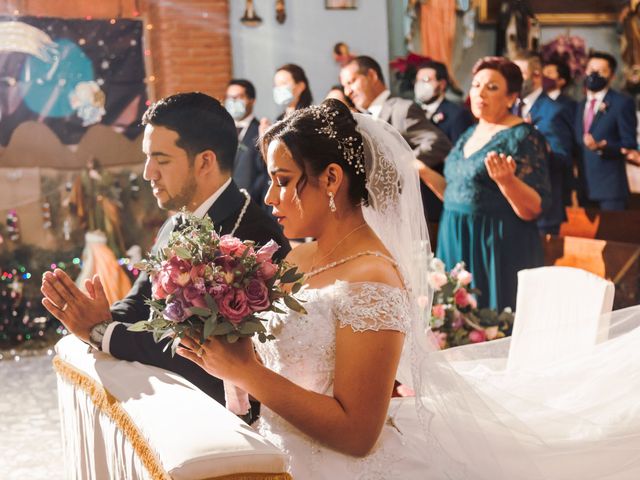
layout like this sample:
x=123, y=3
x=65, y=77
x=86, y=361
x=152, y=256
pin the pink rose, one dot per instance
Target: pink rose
x=438, y=311
x=233, y=246
x=267, y=270
x=164, y=278
x=257, y=295
x=266, y=252
x=461, y=297
x=234, y=306
x=464, y=277
x=477, y=336
x=194, y=296
x=437, y=280
x=157, y=292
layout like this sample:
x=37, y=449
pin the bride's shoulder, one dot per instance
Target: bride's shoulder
x=374, y=269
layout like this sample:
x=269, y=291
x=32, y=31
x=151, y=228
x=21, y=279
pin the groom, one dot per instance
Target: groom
x=190, y=143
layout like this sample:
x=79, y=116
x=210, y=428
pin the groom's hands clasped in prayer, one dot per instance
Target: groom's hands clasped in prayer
x=77, y=310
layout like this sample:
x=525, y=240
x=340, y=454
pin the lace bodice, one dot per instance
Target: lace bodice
x=304, y=352
x=304, y=348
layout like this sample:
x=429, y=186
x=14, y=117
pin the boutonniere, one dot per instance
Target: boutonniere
x=604, y=106
x=242, y=147
x=437, y=118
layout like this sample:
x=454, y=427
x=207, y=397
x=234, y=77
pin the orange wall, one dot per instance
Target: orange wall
x=188, y=40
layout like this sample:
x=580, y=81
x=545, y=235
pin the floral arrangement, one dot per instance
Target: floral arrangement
x=405, y=69
x=206, y=285
x=570, y=49
x=455, y=317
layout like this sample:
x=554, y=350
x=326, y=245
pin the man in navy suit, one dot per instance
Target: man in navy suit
x=547, y=116
x=249, y=169
x=431, y=83
x=556, y=77
x=190, y=144
x=605, y=123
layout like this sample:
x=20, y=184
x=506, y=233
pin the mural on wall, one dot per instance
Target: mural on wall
x=70, y=75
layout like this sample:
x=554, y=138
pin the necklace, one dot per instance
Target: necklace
x=362, y=225
x=348, y=259
x=247, y=201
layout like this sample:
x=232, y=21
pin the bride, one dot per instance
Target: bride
x=325, y=383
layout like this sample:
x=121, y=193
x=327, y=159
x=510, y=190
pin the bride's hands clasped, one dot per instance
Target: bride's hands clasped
x=228, y=361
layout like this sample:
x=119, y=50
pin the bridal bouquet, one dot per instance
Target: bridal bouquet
x=207, y=285
x=455, y=317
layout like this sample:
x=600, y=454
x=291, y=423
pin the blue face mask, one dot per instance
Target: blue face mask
x=283, y=95
x=236, y=108
x=595, y=82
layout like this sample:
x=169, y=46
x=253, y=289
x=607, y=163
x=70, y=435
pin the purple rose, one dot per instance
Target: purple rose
x=234, y=306
x=257, y=295
x=175, y=311
x=266, y=252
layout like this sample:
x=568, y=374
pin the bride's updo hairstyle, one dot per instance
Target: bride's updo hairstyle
x=320, y=135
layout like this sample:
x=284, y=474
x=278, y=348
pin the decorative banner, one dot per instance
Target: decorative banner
x=71, y=74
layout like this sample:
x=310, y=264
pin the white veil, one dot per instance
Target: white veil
x=575, y=420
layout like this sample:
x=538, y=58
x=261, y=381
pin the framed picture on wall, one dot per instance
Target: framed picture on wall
x=340, y=4
x=553, y=12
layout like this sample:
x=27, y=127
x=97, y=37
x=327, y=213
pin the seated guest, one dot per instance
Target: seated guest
x=363, y=83
x=495, y=186
x=605, y=123
x=556, y=77
x=249, y=170
x=431, y=83
x=337, y=92
x=547, y=116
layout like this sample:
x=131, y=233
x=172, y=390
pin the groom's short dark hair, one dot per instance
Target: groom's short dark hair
x=365, y=64
x=200, y=121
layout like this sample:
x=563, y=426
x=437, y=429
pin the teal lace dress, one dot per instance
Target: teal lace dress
x=479, y=226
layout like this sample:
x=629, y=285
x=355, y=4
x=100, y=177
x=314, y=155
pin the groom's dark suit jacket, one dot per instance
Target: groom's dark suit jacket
x=429, y=143
x=256, y=225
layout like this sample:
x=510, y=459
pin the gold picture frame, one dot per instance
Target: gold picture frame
x=554, y=12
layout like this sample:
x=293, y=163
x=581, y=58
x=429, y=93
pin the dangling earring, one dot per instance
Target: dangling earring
x=332, y=203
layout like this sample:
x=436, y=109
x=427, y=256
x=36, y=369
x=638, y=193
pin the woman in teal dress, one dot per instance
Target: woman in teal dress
x=494, y=187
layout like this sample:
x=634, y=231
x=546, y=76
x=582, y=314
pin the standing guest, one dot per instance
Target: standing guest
x=291, y=89
x=605, y=123
x=547, y=116
x=363, y=83
x=190, y=143
x=556, y=77
x=249, y=170
x=495, y=186
x=431, y=83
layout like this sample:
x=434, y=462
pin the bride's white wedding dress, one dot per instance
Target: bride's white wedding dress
x=304, y=352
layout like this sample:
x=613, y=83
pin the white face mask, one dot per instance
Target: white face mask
x=424, y=91
x=283, y=95
x=236, y=108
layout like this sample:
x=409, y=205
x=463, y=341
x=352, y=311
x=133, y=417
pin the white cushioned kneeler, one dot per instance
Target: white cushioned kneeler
x=125, y=420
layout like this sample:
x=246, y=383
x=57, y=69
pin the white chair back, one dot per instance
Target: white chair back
x=559, y=314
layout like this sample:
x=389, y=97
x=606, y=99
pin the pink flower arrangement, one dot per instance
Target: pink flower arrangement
x=204, y=284
x=570, y=49
x=455, y=317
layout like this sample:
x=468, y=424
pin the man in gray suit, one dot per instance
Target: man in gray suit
x=363, y=83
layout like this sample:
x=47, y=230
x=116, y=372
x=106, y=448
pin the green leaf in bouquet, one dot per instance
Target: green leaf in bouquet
x=291, y=275
x=294, y=304
x=140, y=326
x=200, y=312
x=488, y=316
x=223, y=328
x=252, y=327
x=183, y=253
x=211, y=303
x=232, y=337
x=209, y=326
x=275, y=309
x=296, y=287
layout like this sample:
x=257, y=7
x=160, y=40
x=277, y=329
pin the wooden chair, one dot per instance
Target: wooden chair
x=559, y=313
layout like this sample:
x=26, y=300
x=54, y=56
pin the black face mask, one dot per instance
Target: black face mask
x=595, y=82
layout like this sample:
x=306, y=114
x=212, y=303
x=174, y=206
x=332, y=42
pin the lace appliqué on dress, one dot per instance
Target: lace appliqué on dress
x=372, y=306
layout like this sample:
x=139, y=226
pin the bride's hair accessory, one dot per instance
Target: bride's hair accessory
x=351, y=147
x=332, y=203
